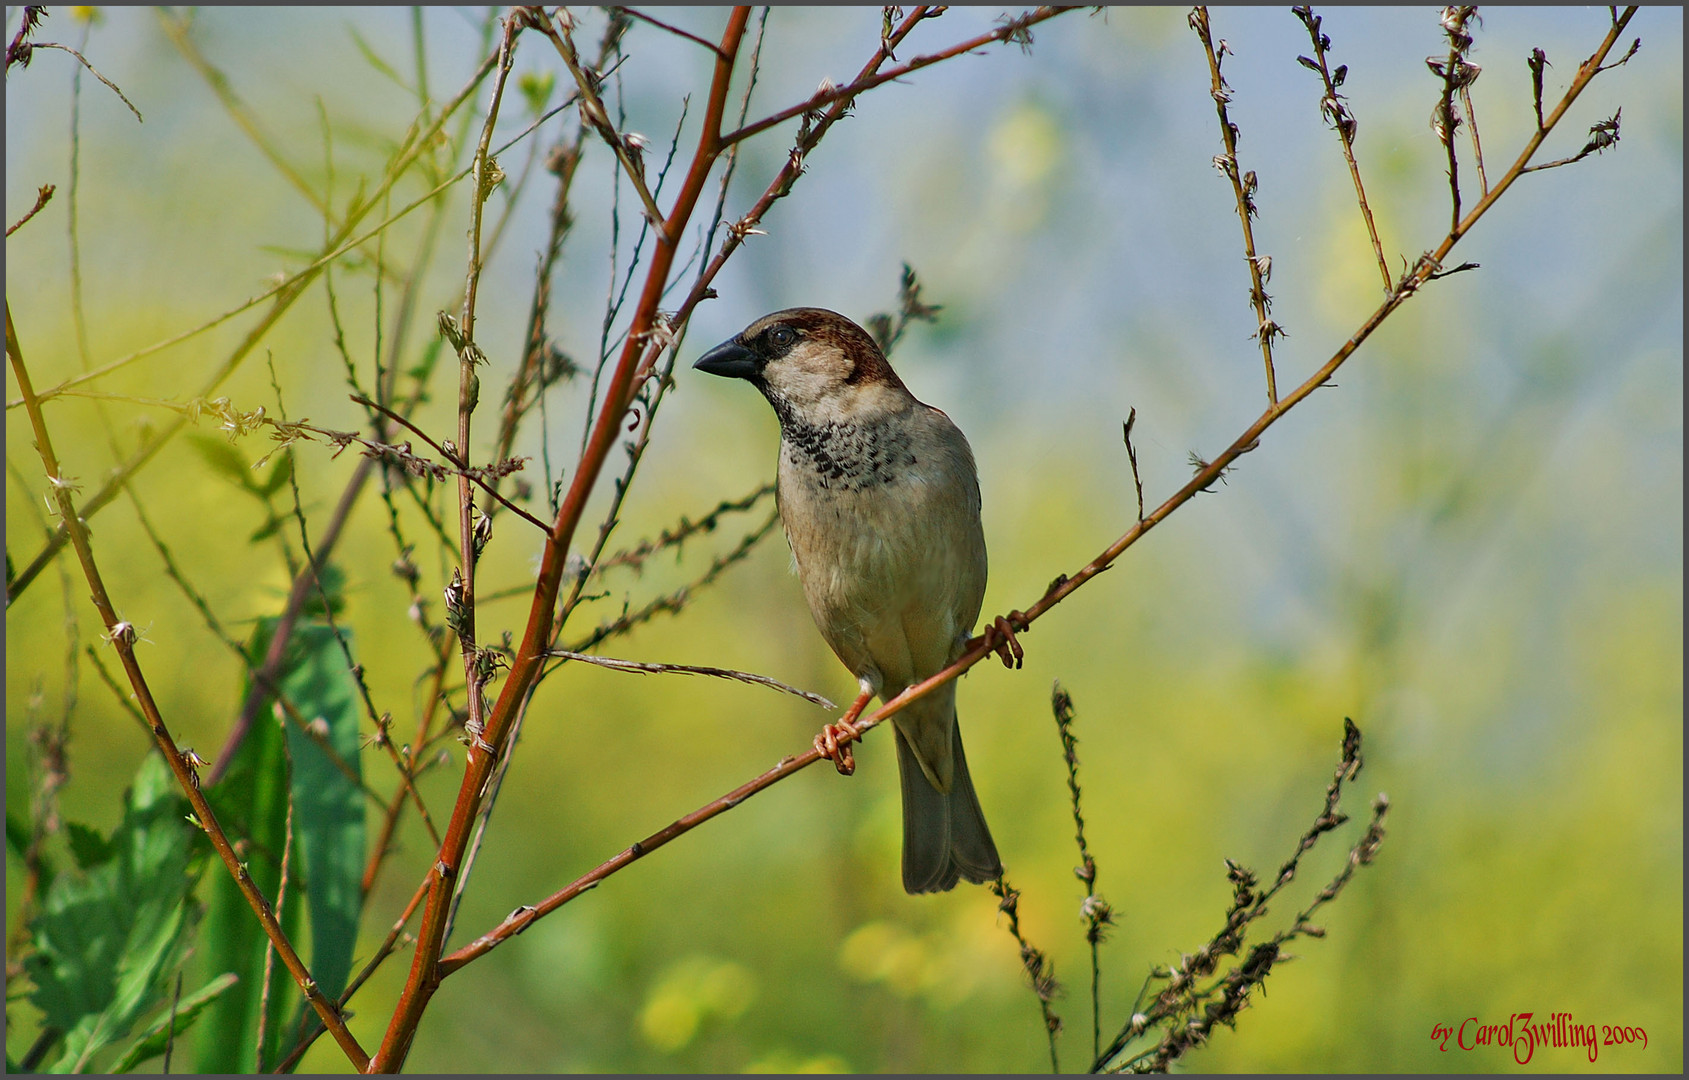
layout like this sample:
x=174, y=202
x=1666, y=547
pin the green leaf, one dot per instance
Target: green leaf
x=333, y=585
x=223, y=458
x=87, y=846
x=328, y=803
x=328, y=849
x=375, y=61
x=107, y=941
x=172, y=1023
x=17, y=834
x=251, y=801
x=536, y=89
x=266, y=531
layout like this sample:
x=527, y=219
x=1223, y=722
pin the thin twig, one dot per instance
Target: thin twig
x=1472, y=127
x=284, y=295
x=1243, y=188
x=460, y=465
x=1094, y=910
x=689, y=669
x=626, y=148
x=1604, y=134
x=42, y=198
x=395, y=935
x=1016, y=29
x=92, y=68
x=1190, y=1011
x=675, y=30
x=170, y=1032
x=1040, y=972
x=1339, y=116
x=122, y=636
x=1455, y=73
x=676, y=536
x=1132, y=456
x=355, y=669
x=269, y=948
x=673, y=602
x=1064, y=585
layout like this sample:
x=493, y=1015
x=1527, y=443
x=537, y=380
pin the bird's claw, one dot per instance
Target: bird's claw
x=827, y=744
x=1000, y=638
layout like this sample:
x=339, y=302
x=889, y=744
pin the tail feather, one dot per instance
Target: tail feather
x=945, y=837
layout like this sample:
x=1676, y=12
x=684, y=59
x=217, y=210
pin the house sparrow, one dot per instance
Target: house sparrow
x=880, y=501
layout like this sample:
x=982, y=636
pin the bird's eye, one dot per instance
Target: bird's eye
x=782, y=337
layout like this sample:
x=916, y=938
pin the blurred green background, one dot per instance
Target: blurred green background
x=1472, y=545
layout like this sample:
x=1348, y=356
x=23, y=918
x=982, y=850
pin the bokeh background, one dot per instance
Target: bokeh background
x=1472, y=545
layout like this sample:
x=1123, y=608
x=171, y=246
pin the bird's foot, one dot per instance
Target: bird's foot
x=1000, y=638
x=829, y=745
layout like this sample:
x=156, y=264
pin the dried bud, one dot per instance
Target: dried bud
x=481, y=532
x=456, y=615
x=450, y=331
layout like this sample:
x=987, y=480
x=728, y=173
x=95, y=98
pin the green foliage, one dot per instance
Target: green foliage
x=226, y=460
x=87, y=846
x=108, y=939
x=328, y=804
x=171, y=1023
x=17, y=834
x=536, y=89
x=252, y=799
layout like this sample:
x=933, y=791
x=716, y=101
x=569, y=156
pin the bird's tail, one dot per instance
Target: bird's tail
x=944, y=833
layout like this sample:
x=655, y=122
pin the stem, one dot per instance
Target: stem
x=425, y=974
x=122, y=638
x=978, y=649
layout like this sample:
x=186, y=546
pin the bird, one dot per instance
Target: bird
x=879, y=498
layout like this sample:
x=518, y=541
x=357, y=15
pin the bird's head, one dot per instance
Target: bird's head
x=813, y=365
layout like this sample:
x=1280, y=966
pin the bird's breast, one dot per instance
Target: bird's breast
x=884, y=527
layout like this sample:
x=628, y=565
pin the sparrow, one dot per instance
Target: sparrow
x=879, y=498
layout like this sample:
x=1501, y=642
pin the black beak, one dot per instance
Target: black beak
x=730, y=360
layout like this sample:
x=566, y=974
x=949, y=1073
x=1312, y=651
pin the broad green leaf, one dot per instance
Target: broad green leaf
x=327, y=853
x=251, y=801
x=328, y=804
x=87, y=846
x=106, y=941
x=172, y=1023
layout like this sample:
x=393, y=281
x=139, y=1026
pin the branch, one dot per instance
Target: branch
x=688, y=669
x=1457, y=74
x=122, y=636
x=42, y=198
x=1013, y=30
x=90, y=67
x=1337, y=114
x=284, y=295
x=1063, y=586
x=1243, y=187
x=627, y=147
x=425, y=972
x=1190, y=1011
x=1040, y=972
x=675, y=30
